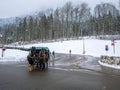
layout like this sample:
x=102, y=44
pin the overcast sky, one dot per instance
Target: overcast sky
x=11, y=8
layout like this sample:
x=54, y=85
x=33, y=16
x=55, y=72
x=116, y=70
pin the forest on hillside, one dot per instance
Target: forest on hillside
x=69, y=21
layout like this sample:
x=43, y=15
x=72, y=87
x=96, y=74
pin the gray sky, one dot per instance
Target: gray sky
x=11, y=8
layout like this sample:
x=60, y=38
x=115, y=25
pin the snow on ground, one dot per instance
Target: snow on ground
x=13, y=55
x=111, y=66
x=93, y=47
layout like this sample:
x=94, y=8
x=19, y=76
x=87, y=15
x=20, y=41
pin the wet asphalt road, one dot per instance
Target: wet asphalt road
x=15, y=76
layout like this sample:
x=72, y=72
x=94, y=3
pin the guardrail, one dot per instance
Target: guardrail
x=18, y=48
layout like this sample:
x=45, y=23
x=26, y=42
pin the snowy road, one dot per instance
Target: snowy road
x=76, y=62
x=64, y=61
x=91, y=63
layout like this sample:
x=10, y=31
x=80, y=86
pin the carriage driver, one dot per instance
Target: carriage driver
x=31, y=55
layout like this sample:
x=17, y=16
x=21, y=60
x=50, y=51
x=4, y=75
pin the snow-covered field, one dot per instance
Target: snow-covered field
x=93, y=47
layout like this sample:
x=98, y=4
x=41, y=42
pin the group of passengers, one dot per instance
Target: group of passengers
x=38, y=58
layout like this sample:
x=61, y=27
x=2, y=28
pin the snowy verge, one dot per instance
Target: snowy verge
x=110, y=61
x=110, y=69
x=109, y=66
x=13, y=55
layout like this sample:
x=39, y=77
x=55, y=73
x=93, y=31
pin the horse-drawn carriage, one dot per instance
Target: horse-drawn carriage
x=38, y=58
